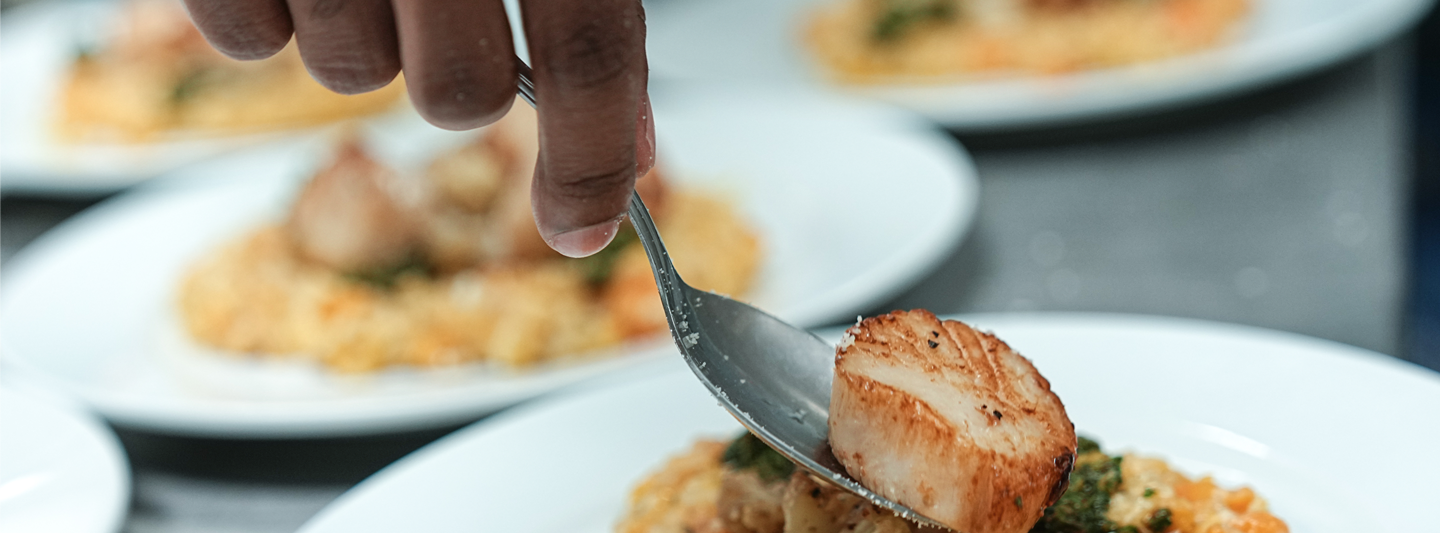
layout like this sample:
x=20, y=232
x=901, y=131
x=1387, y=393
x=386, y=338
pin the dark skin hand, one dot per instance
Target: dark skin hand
x=596, y=132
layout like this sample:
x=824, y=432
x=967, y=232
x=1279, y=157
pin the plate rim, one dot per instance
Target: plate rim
x=110, y=450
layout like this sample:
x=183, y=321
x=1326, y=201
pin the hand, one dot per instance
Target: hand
x=596, y=132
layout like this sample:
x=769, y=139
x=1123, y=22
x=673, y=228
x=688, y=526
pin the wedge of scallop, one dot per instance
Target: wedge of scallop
x=950, y=422
x=351, y=215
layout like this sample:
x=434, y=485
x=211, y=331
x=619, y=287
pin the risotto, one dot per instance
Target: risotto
x=874, y=41
x=361, y=277
x=156, y=74
x=744, y=487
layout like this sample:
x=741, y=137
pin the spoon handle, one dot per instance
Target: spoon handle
x=526, y=81
x=672, y=289
x=672, y=292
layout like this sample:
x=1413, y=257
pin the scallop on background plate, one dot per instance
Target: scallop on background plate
x=61, y=469
x=853, y=203
x=759, y=40
x=41, y=40
x=1338, y=439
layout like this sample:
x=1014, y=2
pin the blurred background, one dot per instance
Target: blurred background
x=1310, y=205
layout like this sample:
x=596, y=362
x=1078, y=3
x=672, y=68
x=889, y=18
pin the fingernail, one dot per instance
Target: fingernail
x=644, y=139
x=587, y=240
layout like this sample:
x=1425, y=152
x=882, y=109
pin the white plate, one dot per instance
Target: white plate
x=41, y=39
x=757, y=40
x=1337, y=438
x=61, y=470
x=853, y=203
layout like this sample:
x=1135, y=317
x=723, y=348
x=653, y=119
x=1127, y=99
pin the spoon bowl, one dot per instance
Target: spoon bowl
x=775, y=378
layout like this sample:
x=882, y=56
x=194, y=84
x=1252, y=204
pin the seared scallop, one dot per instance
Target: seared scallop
x=950, y=422
x=351, y=217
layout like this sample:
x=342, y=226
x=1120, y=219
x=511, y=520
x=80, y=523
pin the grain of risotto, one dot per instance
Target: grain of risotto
x=874, y=41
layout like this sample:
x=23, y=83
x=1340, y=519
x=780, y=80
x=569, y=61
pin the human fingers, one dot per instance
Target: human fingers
x=349, y=46
x=243, y=29
x=458, y=59
x=589, y=62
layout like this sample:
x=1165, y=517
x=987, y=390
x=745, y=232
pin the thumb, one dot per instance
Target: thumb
x=580, y=216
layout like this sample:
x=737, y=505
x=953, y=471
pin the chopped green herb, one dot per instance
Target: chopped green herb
x=1083, y=507
x=904, y=15
x=1019, y=503
x=749, y=452
x=598, y=268
x=1159, y=521
x=84, y=52
x=1128, y=529
x=386, y=277
x=190, y=84
x=1084, y=446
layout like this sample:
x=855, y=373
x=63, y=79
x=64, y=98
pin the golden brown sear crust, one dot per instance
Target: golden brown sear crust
x=949, y=421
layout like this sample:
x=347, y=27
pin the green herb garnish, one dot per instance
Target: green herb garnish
x=1082, y=508
x=190, y=84
x=598, y=268
x=84, y=53
x=748, y=452
x=1159, y=521
x=904, y=15
x=387, y=276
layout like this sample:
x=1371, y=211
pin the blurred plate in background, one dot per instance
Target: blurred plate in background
x=759, y=41
x=41, y=40
x=61, y=469
x=1274, y=411
x=853, y=203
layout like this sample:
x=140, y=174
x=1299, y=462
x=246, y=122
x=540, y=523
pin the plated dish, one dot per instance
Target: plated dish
x=101, y=95
x=949, y=422
x=920, y=41
x=150, y=74
x=1029, y=71
x=742, y=486
x=63, y=470
x=373, y=268
x=791, y=165
x=1210, y=399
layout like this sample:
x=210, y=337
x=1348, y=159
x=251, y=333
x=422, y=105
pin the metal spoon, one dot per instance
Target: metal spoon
x=775, y=378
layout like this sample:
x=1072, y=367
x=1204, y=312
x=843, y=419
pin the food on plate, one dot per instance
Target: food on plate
x=374, y=267
x=948, y=421
x=745, y=487
x=911, y=40
x=153, y=74
x=954, y=424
